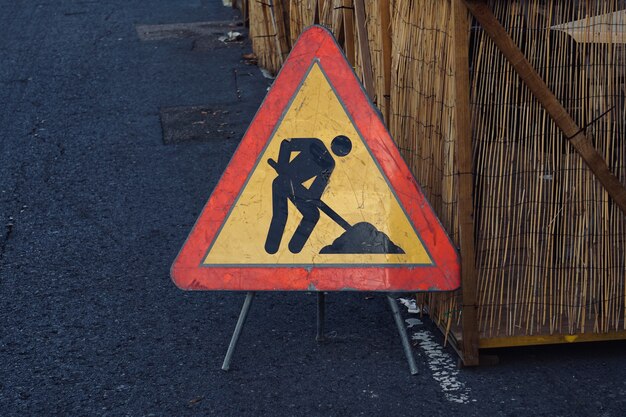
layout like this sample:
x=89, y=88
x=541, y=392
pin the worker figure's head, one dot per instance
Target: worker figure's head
x=341, y=145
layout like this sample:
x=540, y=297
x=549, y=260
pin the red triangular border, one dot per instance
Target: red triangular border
x=187, y=271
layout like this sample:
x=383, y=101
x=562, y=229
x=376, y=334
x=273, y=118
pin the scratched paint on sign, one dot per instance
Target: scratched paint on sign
x=355, y=191
x=317, y=195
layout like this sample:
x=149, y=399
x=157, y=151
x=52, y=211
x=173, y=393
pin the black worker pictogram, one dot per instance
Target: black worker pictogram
x=299, y=161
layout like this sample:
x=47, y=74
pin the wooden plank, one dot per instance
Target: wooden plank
x=364, y=49
x=282, y=37
x=456, y=340
x=286, y=5
x=337, y=21
x=464, y=151
x=348, y=31
x=320, y=10
x=245, y=13
x=316, y=13
x=385, y=27
x=555, y=109
x=513, y=341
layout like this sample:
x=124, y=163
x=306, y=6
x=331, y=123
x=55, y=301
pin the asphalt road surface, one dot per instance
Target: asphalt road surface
x=95, y=205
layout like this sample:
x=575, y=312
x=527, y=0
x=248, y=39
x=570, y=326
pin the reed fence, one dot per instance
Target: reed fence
x=550, y=243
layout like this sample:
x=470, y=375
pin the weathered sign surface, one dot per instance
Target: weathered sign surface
x=317, y=196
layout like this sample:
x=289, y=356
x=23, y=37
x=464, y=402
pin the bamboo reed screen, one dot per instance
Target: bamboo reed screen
x=550, y=244
x=551, y=247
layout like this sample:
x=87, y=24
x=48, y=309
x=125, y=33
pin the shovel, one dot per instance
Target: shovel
x=321, y=205
x=332, y=214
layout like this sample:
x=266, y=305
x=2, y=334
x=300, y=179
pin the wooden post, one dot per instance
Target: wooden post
x=555, y=109
x=348, y=30
x=282, y=35
x=316, y=13
x=364, y=48
x=385, y=28
x=320, y=10
x=469, y=342
x=245, y=13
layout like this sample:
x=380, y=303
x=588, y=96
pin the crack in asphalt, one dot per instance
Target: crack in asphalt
x=5, y=240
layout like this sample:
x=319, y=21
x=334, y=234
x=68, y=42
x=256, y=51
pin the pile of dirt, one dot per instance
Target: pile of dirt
x=362, y=238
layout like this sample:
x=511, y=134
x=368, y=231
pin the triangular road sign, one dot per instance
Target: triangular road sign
x=317, y=196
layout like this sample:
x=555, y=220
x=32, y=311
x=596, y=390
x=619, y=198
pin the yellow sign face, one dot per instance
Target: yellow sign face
x=316, y=196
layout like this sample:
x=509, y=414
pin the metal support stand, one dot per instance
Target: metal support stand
x=233, y=341
x=405, y=340
x=320, y=316
x=245, y=309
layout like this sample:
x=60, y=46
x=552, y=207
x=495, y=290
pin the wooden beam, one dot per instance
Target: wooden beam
x=282, y=35
x=549, y=339
x=348, y=30
x=385, y=28
x=456, y=339
x=337, y=23
x=320, y=5
x=464, y=152
x=555, y=109
x=364, y=48
x=316, y=13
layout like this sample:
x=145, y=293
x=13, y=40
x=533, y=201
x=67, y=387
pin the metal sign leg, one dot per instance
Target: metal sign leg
x=240, y=322
x=321, y=306
x=405, y=340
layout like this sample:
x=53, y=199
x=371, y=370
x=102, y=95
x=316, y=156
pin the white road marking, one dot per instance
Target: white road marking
x=410, y=304
x=412, y=323
x=443, y=367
